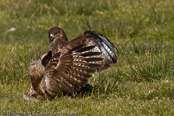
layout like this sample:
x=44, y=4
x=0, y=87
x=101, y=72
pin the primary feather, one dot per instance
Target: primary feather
x=69, y=64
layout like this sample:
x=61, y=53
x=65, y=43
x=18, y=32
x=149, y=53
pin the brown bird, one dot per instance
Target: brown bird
x=69, y=64
x=60, y=43
x=36, y=72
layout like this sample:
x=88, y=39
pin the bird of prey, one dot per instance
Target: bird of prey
x=69, y=64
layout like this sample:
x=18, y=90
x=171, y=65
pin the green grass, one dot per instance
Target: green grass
x=141, y=83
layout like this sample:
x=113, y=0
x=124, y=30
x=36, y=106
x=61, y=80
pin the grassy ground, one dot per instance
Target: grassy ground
x=141, y=83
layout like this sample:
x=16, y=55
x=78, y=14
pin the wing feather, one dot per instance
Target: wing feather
x=103, y=45
x=72, y=69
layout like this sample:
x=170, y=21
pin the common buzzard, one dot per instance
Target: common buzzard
x=69, y=64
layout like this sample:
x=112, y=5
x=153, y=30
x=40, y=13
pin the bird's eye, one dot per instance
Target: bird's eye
x=52, y=35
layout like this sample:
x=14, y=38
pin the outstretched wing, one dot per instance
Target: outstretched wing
x=107, y=49
x=102, y=44
x=71, y=70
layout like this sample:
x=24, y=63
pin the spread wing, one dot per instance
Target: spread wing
x=102, y=44
x=64, y=73
x=107, y=49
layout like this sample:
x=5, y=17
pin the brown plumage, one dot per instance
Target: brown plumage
x=36, y=72
x=60, y=43
x=69, y=64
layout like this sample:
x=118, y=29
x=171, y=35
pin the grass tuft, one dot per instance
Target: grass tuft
x=151, y=69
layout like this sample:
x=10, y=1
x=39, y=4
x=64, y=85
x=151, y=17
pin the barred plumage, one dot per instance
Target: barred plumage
x=69, y=64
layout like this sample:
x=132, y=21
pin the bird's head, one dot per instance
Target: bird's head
x=56, y=33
